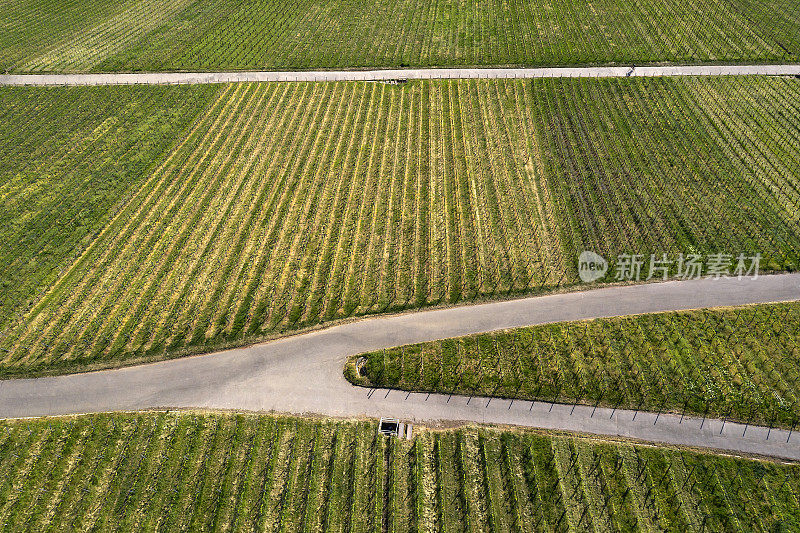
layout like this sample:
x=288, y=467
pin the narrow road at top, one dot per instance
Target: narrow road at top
x=165, y=78
x=303, y=373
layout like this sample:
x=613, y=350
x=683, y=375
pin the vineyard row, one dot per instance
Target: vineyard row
x=43, y=35
x=177, y=472
x=735, y=364
x=287, y=205
x=68, y=159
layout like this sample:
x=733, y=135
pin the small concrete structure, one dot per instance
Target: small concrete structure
x=360, y=364
x=392, y=427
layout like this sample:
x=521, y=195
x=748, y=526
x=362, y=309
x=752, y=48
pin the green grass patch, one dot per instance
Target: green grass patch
x=206, y=471
x=316, y=34
x=739, y=363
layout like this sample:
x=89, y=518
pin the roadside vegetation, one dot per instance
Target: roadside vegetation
x=285, y=206
x=69, y=158
x=196, y=471
x=124, y=35
x=736, y=363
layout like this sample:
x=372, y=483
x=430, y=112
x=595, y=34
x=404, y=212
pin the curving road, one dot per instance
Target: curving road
x=303, y=374
x=165, y=78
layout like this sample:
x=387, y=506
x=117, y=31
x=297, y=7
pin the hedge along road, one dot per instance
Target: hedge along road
x=159, y=78
x=304, y=373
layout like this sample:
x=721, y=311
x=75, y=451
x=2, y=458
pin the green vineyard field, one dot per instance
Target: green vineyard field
x=673, y=166
x=284, y=206
x=117, y=35
x=68, y=157
x=739, y=363
x=225, y=472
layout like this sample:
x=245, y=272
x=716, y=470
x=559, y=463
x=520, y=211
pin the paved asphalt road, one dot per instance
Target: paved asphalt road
x=303, y=374
x=158, y=78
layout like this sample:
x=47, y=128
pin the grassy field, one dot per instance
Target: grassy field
x=42, y=35
x=414, y=195
x=739, y=363
x=177, y=472
x=68, y=159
